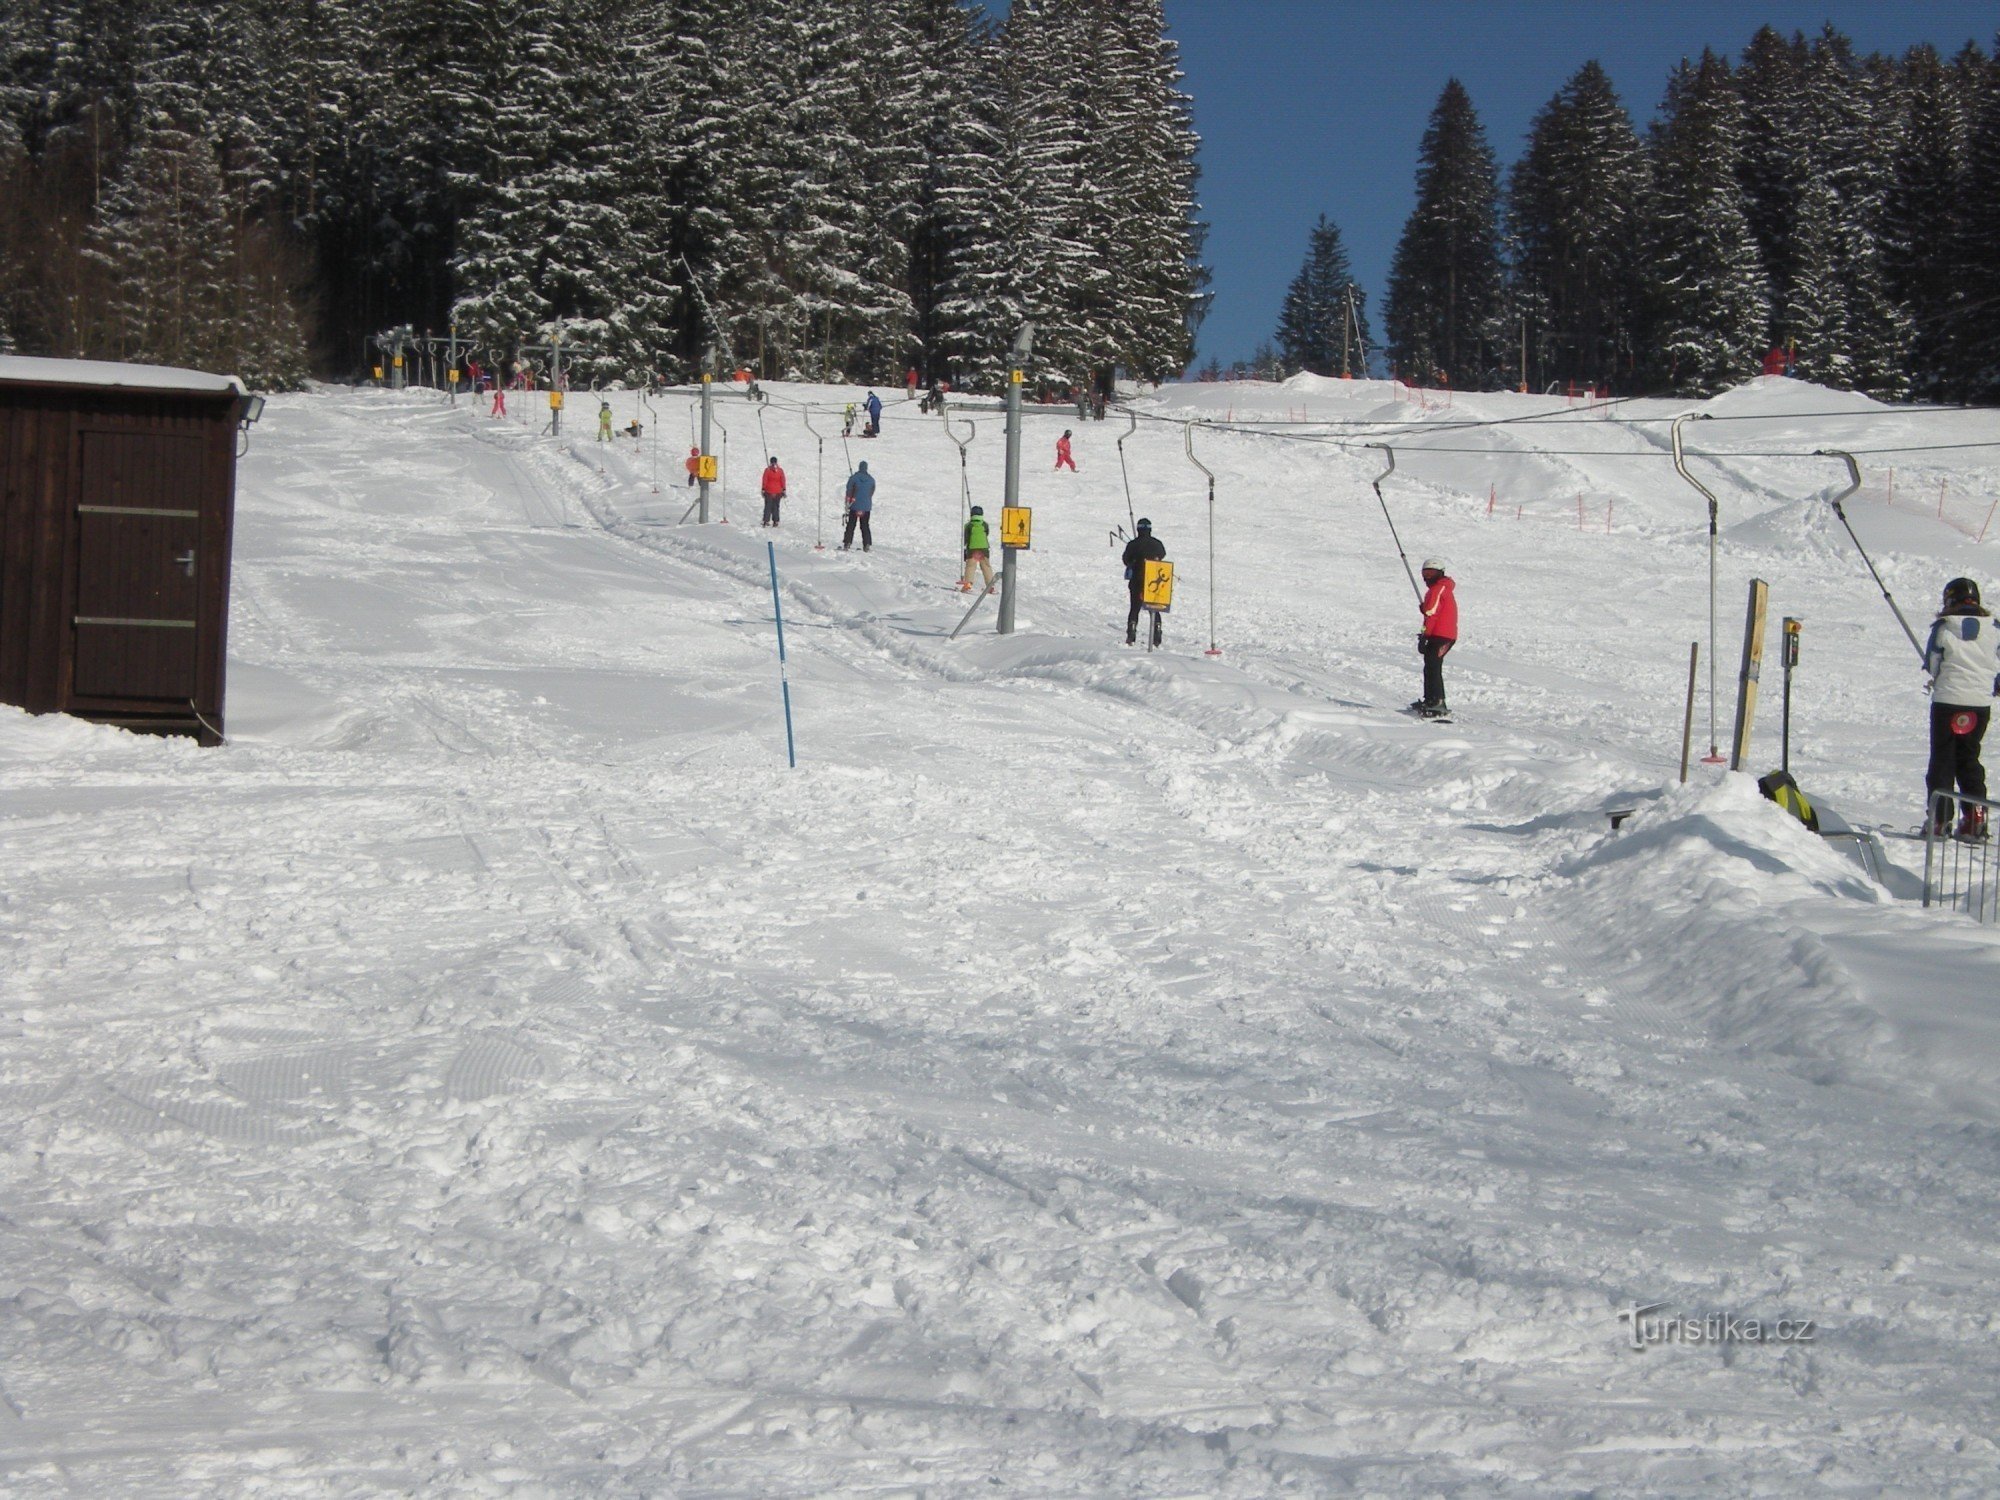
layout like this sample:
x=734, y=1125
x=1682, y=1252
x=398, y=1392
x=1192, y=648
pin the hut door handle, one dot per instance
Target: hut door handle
x=186, y=561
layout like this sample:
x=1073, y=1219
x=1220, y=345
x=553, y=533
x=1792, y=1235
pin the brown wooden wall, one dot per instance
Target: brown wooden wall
x=116, y=510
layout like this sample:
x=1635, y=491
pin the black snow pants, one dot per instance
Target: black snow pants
x=1955, y=757
x=1434, y=648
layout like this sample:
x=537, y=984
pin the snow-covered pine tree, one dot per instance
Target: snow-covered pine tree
x=1446, y=280
x=1976, y=345
x=1709, y=312
x=547, y=246
x=1817, y=310
x=987, y=294
x=1148, y=233
x=1576, y=201
x=168, y=269
x=1770, y=80
x=940, y=73
x=1847, y=151
x=1920, y=214
x=1315, y=331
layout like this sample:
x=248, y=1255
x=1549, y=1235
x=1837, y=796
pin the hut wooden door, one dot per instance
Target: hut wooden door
x=138, y=558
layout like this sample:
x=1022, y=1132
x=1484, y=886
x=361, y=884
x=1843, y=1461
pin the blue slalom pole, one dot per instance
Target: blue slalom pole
x=784, y=681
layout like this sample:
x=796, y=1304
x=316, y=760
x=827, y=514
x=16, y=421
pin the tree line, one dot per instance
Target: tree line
x=814, y=189
x=1842, y=210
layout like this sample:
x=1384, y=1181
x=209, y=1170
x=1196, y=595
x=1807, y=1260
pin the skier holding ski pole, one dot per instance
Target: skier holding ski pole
x=978, y=551
x=1963, y=658
x=1437, y=636
x=1142, y=549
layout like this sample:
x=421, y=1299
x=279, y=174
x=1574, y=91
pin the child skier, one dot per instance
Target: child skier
x=847, y=420
x=978, y=548
x=1063, y=459
x=773, y=486
x=694, y=467
x=499, y=400
x=1142, y=549
x=1963, y=658
x=604, y=421
x=1437, y=636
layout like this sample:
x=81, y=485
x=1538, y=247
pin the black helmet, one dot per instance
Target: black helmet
x=977, y=511
x=1959, y=593
x=1144, y=524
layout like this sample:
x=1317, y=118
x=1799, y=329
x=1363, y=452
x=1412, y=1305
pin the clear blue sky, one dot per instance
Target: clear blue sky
x=1317, y=106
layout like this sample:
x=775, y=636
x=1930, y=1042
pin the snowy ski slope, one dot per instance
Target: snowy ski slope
x=1090, y=1072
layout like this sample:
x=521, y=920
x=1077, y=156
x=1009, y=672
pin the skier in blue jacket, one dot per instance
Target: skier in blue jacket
x=874, y=405
x=860, y=504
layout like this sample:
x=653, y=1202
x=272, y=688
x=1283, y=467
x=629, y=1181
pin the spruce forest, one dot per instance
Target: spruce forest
x=1843, y=210
x=810, y=188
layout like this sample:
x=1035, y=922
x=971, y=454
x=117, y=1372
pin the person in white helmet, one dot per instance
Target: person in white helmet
x=1437, y=636
x=1963, y=658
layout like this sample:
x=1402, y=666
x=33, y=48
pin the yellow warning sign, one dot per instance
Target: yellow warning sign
x=1156, y=590
x=378, y=372
x=555, y=400
x=397, y=361
x=454, y=377
x=706, y=468
x=1017, y=522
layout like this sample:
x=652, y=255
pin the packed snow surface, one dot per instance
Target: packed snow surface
x=1091, y=1071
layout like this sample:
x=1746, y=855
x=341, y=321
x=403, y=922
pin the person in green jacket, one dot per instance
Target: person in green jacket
x=978, y=547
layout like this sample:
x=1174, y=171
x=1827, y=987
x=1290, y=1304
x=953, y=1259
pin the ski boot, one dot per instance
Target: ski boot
x=1972, y=827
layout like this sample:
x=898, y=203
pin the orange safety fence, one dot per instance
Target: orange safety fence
x=1963, y=509
x=1584, y=512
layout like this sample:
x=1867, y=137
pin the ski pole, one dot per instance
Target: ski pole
x=1377, y=482
x=1714, y=755
x=1130, y=514
x=784, y=679
x=1188, y=435
x=819, y=487
x=1854, y=483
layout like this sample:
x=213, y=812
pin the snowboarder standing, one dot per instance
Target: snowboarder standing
x=773, y=486
x=1063, y=458
x=874, y=405
x=1963, y=658
x=860, y=506
x=1437, y=636
x=1142, y=549
x=978, y=549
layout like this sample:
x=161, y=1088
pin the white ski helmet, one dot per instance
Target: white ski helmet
x=1435, y=565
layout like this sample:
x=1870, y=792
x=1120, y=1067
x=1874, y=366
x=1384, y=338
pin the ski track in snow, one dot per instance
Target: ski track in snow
x=1090, y=1072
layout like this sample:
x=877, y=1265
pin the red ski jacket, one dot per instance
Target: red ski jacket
x=774, y=481
x=1441, y=611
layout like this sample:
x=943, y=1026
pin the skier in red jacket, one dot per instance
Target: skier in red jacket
x=1063, y=458
x=773, y=487
x=1438, y=635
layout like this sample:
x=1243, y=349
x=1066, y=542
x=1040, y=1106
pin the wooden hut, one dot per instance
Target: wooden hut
x=117, y=492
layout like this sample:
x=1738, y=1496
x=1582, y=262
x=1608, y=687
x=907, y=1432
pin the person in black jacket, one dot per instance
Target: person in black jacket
x=1142, y=549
